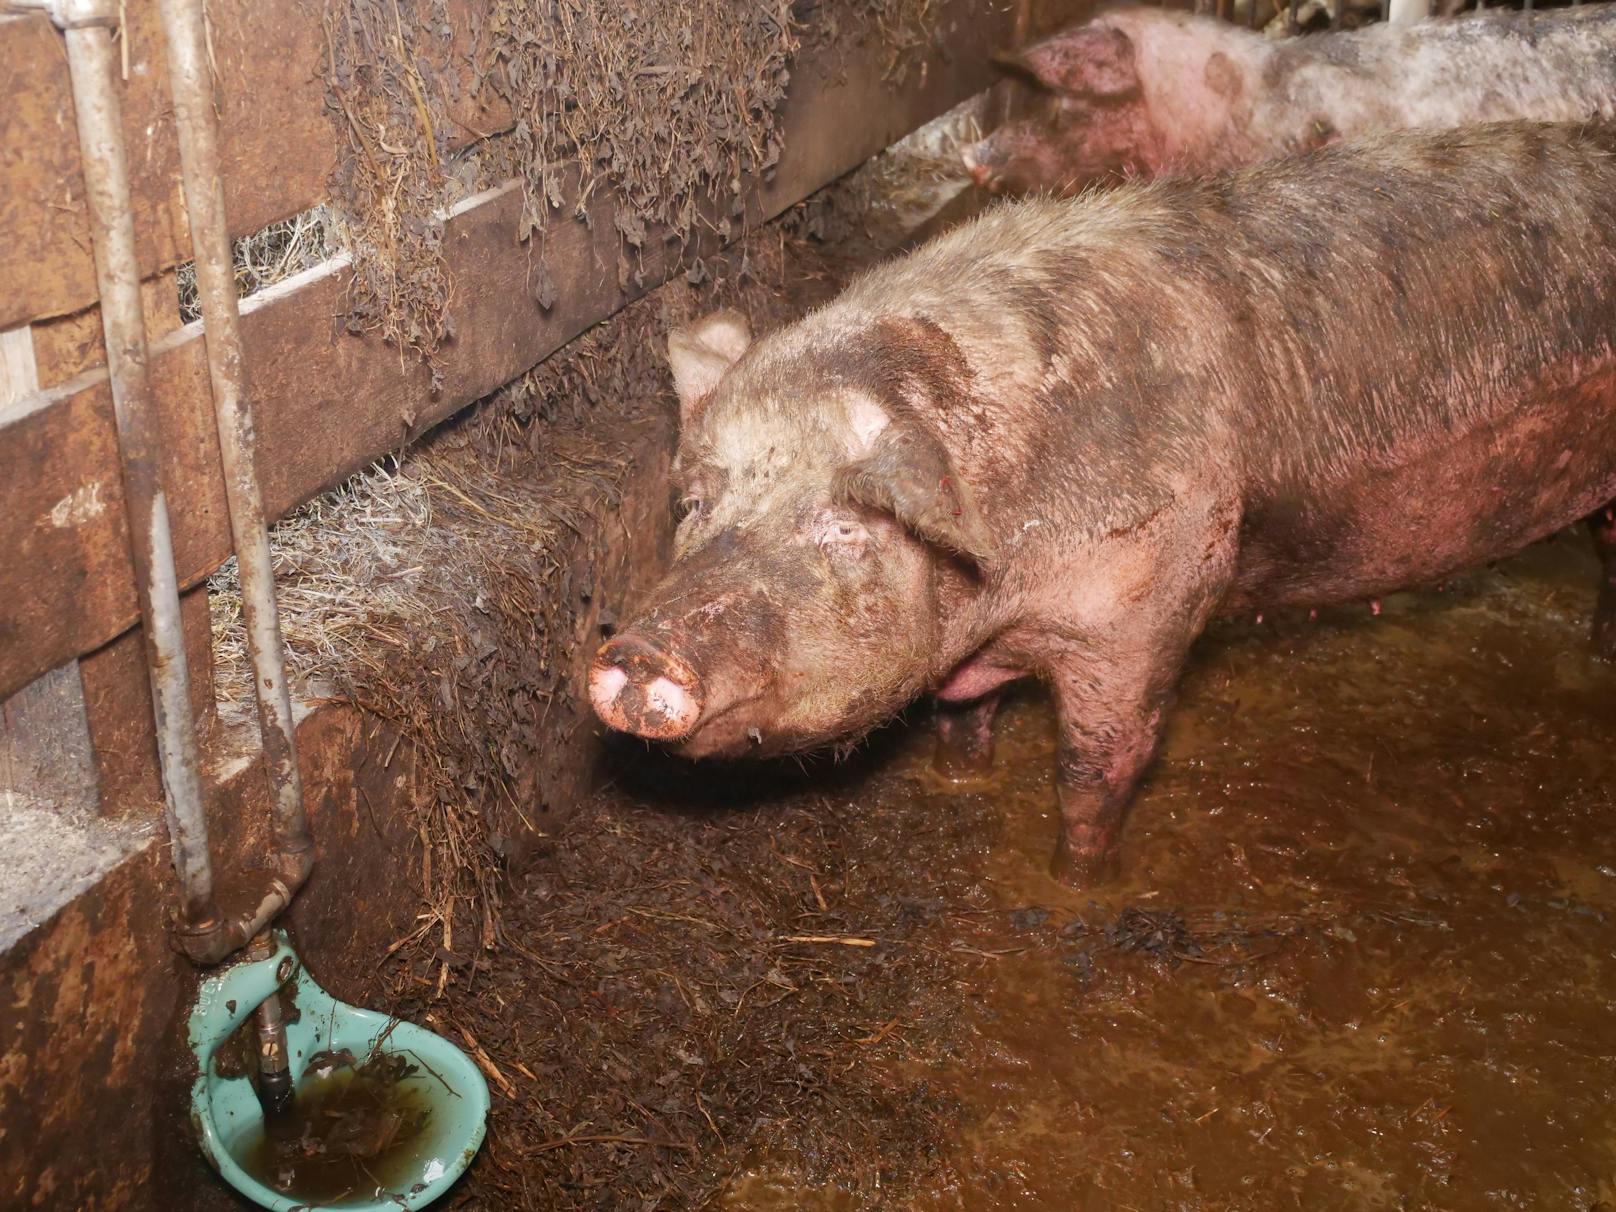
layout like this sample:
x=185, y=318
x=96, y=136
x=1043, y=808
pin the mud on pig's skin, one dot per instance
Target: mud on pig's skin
x=1058, y=440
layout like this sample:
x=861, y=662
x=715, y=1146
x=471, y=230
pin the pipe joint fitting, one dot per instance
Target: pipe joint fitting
x=220, y=937
x=82, y=14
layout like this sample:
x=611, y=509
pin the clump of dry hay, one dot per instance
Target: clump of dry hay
x=269, y=255
x=670, y=106
x=433, y=590
x=387, y=74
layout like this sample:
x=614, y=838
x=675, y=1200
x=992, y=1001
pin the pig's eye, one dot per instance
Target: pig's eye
x=688, y=506
x=840, y=536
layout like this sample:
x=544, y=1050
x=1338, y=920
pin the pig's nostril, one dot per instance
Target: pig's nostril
x=636, y=687
x=607, y=684
x=672, y=700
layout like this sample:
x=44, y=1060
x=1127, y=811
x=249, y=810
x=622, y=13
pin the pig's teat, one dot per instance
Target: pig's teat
x=638, y=688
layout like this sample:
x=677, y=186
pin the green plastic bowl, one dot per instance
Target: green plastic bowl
x=226, y=1110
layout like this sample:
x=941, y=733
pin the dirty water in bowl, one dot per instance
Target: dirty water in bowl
x=1362, y=954
x=351, y=1133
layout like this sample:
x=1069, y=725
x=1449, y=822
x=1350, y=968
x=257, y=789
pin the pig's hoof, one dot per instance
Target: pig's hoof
x=1088, y=867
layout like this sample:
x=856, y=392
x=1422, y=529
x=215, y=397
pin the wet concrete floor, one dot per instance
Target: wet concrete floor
x=1363, y=953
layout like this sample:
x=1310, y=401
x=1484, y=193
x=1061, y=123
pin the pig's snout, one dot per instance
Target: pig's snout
x=980, y=172
x=637, y=687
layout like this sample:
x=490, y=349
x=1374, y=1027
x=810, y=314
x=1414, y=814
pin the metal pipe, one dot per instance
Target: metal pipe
x=213, y=941
x=202, y=932
x=191, y=85
x=275, y=1090
x=92, y=66
x=197, y=123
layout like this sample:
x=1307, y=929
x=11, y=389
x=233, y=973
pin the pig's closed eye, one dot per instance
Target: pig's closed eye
x=688, y=506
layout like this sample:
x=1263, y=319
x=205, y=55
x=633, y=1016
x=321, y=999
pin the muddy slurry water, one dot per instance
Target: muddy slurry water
x=1362, y=956
x=350, y=1135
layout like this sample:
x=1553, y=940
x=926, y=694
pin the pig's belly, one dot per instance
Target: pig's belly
x=1437, y=509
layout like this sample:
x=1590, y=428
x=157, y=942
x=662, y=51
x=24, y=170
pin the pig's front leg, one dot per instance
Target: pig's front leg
x=965, y=737
x=1115, y=673
x=1603, y=526
x=1111, y=717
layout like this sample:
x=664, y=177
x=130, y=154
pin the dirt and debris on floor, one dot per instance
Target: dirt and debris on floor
x=713, y=975
x=1363, y=955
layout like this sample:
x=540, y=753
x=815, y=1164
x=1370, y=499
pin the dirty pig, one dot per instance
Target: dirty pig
x=1057, y=441
x=1151, y=92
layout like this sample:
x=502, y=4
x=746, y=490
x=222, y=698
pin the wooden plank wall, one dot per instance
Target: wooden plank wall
x=327, y=402
x=277, y=145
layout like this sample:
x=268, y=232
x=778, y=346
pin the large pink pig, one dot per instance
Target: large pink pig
x=1059, y=439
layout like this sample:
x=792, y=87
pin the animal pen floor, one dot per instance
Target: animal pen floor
x=1363, y=956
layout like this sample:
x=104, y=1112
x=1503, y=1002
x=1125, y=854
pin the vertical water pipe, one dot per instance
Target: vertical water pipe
x=1405, y=12
x=87, y=27
x=195, y=118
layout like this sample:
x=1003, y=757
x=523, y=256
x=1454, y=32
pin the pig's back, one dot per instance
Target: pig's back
x=1433, y=319
x=1494, y=66
x=1407, y=337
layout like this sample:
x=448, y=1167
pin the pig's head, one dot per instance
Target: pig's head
x=1083, y=117
x=819, y=511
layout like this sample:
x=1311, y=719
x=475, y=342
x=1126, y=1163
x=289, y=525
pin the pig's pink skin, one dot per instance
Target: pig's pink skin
x=1318, y=380
x=1209, y=96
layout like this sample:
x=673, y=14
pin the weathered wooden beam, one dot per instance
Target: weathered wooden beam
x=45, y=750
x=329, y=402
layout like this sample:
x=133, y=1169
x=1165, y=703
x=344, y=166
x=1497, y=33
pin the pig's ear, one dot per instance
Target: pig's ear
x=908, y=473
x=1094, y=61
x=700, y=353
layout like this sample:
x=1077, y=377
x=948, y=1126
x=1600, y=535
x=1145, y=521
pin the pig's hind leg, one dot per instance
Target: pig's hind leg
x=965, y=737
x=1603, y=527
